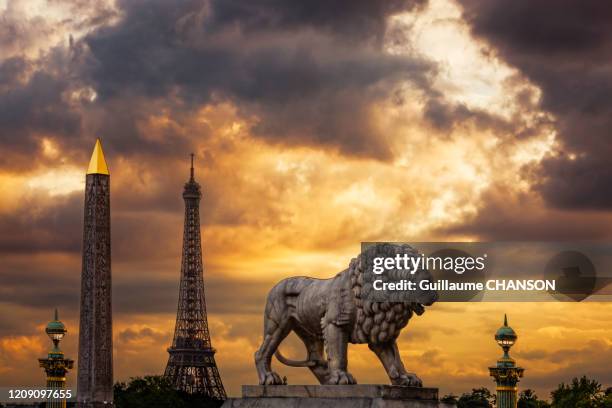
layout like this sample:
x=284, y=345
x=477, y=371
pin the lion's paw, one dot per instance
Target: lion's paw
x=341, y=378
x=271, y=378
x=408, y=379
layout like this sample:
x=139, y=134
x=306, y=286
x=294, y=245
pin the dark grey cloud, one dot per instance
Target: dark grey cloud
x=565, y=48
x=309, y=71
x=45, y=298
x=39, y=79
x=355, y=18
x=43, y=224
x=31, y=109
x=148, y=287
x=33, y=285
x=155, y=294
x=11, y=71
x=544, y=28
x=445, y=116
x=306, y=73
x=12, y=322
x=150, y=210
x=504, y=217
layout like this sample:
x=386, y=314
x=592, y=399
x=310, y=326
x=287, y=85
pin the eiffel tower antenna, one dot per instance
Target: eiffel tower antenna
x=191, y=179
x=191, y=364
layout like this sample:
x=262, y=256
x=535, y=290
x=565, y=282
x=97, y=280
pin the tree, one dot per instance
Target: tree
x=156, y=392
x=529, y=399
x=581, y=393
x=478, y=398
x=607, y=403
x=449, y=399
x=149, y=391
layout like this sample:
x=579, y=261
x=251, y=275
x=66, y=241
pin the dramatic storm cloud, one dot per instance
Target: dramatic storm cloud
x=308, y=73
x=316, y=125
x=565, y=47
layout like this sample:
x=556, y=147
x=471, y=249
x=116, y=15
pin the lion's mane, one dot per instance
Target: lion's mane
x=375, y=322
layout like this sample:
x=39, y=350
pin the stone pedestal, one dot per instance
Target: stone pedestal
x=336, y=396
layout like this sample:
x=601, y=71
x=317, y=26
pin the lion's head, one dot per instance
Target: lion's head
x=379, y=322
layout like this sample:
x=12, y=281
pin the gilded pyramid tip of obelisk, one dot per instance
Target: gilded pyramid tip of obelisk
x=97, y=164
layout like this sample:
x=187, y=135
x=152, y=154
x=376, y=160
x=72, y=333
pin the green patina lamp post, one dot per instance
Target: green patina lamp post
x=55, y=365
x=506, y=373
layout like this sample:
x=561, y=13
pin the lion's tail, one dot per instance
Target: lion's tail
x=294, y=363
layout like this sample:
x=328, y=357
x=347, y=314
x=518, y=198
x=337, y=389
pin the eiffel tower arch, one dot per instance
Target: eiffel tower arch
x=191, y=364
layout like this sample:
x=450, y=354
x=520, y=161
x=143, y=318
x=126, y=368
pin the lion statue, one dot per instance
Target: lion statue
x=327, y=314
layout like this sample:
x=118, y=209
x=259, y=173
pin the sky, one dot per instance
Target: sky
x=315, y=125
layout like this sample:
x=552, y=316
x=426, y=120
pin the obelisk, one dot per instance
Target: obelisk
x=95, y=367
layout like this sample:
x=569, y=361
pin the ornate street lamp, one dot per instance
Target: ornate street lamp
x=55, y=365
x=506, y=373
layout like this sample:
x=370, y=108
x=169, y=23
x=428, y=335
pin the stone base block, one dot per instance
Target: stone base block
x=336, y=396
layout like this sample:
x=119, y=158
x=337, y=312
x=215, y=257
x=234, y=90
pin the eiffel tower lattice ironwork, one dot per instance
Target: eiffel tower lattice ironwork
x=191, y=365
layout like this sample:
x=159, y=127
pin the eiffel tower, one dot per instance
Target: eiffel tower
x=191, y=365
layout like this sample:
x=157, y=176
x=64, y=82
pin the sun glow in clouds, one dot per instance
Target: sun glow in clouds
x=465, y=74
x=58, y=181
x=475, y=145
